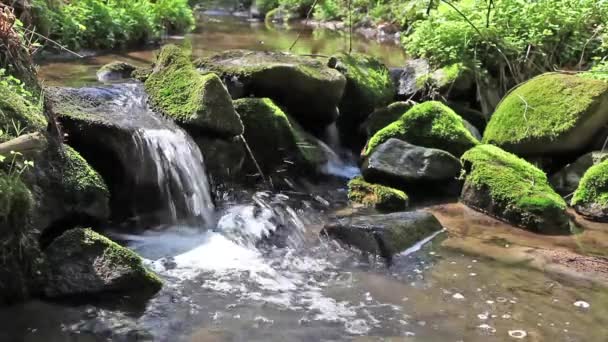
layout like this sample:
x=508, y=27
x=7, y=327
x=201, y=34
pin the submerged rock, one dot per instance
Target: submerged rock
x=275, y=140
x=115, y=71
x=378, y=196
x=429, y=124
x=307, y=89
x=384, y=235
x=509, y=188
x=551, y=114
x=400, y=163
x=81, y=261
x=382, y=117
x=566, y=180
x=591, y=197
x=197, y=102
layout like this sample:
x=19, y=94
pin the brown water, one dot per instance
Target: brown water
x=219, y=33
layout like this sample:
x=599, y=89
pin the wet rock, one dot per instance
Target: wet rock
x=591, y=197
x=429, y=124
x=199, y=103
x=81, y=261
x=405, y=78
x=224, y=159
x=277, y=142
x=115, y=71
x=511, y=189
x=378, y=196
x=552, y=114
x=307, y=89
x=385, y=235
x=382, y=117
x=400, y=163
x=566, y=180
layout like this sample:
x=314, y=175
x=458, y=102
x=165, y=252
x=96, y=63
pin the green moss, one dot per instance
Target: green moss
x=593, y=187
x=368, y=83
x=18, y=114
x=544, y=109
x=79, y=176
x=429, y=124
x=15, y=204
x=189, y=97
x=273, y=137
x=385, y=116
x=121, y=68
x=379, y=196
x=512, y=182
x=113, y=253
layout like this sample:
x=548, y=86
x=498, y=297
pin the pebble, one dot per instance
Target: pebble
x=582, y=304
x=518, y=334
x=458, y=296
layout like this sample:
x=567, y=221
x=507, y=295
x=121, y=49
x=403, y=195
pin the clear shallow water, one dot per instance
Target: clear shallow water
x=219, y=33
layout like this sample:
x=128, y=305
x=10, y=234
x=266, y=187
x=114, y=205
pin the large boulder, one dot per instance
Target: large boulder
x=306, y=87
x=81, y=261
x=199, y=102
x=381, y=197
x=384, y=116
x=429, y=124
x=384, y=235
x=368, y=86
x=224, y=158
x=400, y=163
x=566, y=180
x=511, y=189
x=552, y=114
x=275, y=140
x=591, y=197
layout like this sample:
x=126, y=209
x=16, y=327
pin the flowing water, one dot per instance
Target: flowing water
x=264, y=273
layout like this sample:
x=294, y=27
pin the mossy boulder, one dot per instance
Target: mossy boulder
x=275, y=140
x=429, y=124
x=591, y=197
x=385, y=235
x=418, y=81
x=566, y=180
x=19, y=114
x=199, y=102
x=511, y=189
x=551, y=114
x=368, y=85
x=81, y=261
x=115, y=71
x=383, y=117
x=307, y=89
x=381, y=197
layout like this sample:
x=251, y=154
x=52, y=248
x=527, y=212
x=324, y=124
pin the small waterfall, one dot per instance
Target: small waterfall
x=178, y=164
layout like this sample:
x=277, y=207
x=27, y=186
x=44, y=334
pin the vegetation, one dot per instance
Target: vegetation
x=110, y=23
x=429, y=124
x=379, y=196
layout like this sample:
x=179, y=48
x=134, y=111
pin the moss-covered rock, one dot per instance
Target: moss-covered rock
x=509, y=188
x=18, y=113
x=378, y=196
x=368, y=85
x=549, y=114
x=196, y=101
x=429, y=124
x=81, y=261
x=591, y=197
x=115, y=71
x=275, y=140
x=566, y=180
x=15, y=203
x=383, y=117
x=308, y=89
x=81, y=180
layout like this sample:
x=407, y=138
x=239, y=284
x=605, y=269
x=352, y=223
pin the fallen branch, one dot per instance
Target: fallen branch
x=28, y=143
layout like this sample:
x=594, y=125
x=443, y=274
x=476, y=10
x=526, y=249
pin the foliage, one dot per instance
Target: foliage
x=114, y=23
x=19, y=113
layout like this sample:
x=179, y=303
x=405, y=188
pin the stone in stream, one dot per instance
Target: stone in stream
x=384, y=116
x=550, y=115
x=115, y=71
x=591, y=197
x=381, y=197
x=429, y=124
x=306, y=87
x=81, y=261
x=566, y=180
x=511, y=189
x=399, y=163
x=198, y=102
x=384, y=235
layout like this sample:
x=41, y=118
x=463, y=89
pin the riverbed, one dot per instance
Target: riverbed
x=478, y=280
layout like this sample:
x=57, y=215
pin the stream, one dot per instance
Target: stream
x=253, y=268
